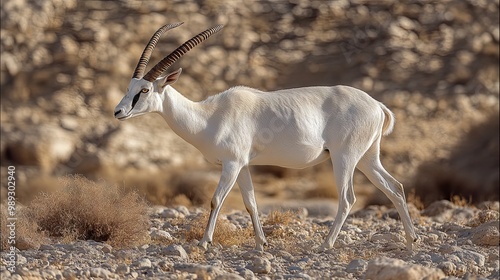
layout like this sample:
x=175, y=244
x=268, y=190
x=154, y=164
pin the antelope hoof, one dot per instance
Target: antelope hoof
x=410, y=242
x=204, y=244
x=260, y=246
x=323, y=247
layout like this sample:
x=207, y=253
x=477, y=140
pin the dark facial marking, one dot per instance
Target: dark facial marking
x=136, y=98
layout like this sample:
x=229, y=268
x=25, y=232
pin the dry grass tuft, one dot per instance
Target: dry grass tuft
x=280, y=218
x=461, y=201
x=277, y=226
x=84, y=210
x=226, y=233
x=347, y=254
x=285, y=231
x=415, y=200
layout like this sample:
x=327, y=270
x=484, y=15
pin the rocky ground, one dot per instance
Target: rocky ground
x=456, y=242
x=65, y=66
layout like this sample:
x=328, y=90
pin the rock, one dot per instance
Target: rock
x=46, y=247
x=122, y=269
x=229, y=276
x=383, y=268
x=260, y=265
x=69, y=123
x=142, y=263
x=107, y=248
x=486, y=234
x=387, y=238
x=250, y=255
x=69, y=274
x=438, y=208
x=471, y=256
x=449, y=268
x=11, y=63
x=183, y=210
x=175, y=250
x=46, y=145
x=161, y=235
x=202, y=271
x=356, y=266
x=170, y=213
x=101, y=273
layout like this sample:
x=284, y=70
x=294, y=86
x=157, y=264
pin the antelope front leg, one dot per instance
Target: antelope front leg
x=230, y=171
x=247, y=192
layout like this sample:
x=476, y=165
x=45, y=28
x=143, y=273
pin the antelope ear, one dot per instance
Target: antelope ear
x=170, y=78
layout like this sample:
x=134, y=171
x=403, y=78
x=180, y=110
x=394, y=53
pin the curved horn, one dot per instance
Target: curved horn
x=148, y=50
x=166, y=62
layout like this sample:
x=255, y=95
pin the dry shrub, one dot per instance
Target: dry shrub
x=26, y=231
x=225, y=233
x=461, y=201
x=277, y=225
x=280, y=218
x=346, y=254
x=84, y=209
x=415, y=200
x=286, y=232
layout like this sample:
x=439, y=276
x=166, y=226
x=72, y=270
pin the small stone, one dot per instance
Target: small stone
x=161, y=235
x=165, y=265
x=250, y=255
x=122, y=269
x=245, y=273
x=69, y=123
x=387, y=237
x=107, y=248
x=100, y=272
x=470, y=256
x=486, y=234
x=437, y=208
x=229, y=276
x=384, y=268
x=448, y=268
x=356, y=266
x=143, y=263
x=69, y=274
x=202, y=271
x=175, y=250
x=183, y=210
x=260, y=265
x=170, y=213
x=46, y=247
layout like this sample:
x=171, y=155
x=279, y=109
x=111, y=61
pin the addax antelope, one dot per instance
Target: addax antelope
x=293, y=128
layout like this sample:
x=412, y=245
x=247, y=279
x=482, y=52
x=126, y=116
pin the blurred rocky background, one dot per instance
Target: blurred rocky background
x=65, y=64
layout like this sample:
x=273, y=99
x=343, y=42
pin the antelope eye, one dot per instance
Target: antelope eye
x=144, y=90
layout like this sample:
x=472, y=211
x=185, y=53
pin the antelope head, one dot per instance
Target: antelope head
x=144, y=92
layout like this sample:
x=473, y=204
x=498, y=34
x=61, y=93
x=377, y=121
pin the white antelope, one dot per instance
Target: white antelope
x=293, y=128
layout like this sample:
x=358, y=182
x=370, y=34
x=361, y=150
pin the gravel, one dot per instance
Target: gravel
x=371, y=247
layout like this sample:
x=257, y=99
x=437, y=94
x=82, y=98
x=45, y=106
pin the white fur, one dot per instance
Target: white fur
x=293, y=128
